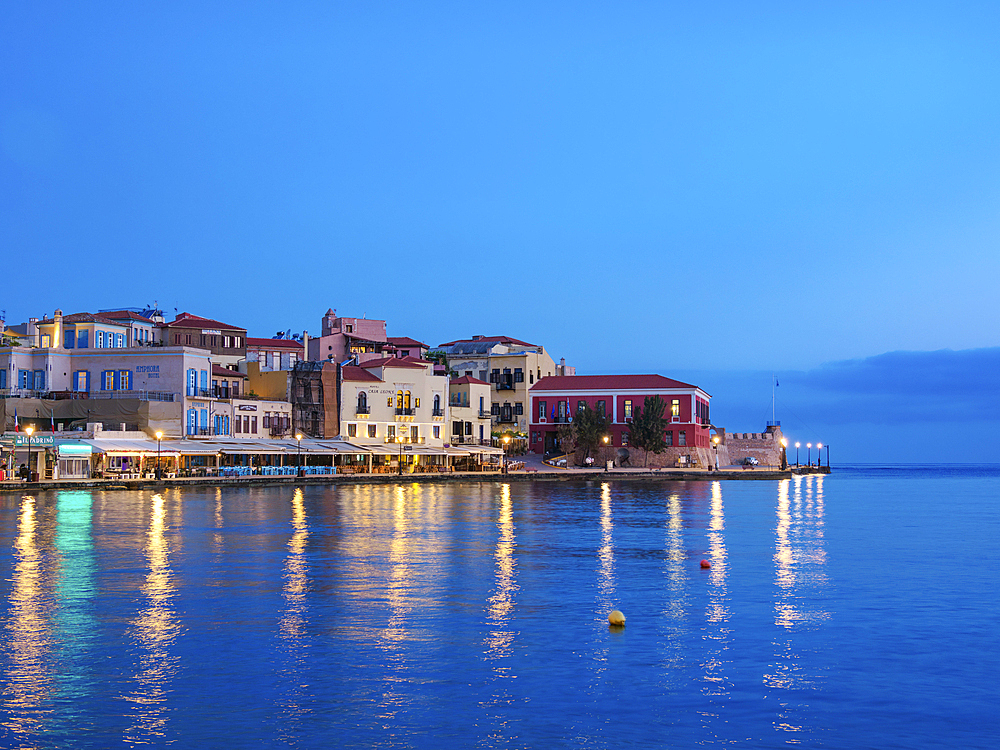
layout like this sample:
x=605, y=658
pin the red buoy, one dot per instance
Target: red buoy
x=706, y=564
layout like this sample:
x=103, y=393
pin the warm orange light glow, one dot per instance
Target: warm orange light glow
x=29, y=430
x=159, y=435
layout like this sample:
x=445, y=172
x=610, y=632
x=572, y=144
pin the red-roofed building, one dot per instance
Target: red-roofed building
x=404, y=346
x=469, y=411
x=555, y=399
x=274, y=354
x=227, y=343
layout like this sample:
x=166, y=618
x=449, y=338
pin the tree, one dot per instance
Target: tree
x=648, y=427
x=586, y=432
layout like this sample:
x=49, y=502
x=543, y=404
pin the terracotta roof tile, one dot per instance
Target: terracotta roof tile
x=187, y=320
x=606, y=382
x=356, y=374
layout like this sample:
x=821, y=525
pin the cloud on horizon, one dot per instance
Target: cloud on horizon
x=895, y=406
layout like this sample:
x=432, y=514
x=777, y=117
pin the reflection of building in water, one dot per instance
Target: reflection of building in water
x=800, y=579
x=501, y=603
x=74, y=619
x=606, y=554
x=717, y=631
x=28, y=678
x=154, y=631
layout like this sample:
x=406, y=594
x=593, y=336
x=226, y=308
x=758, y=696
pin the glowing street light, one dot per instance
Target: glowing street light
x=298, y=440
x=809, y=455
x=784, y=460
x=506, y=442
x=399, y=467
x=819, y=455
x=715, y=444
x=159, y=437
x=29, y=430
x=607, y=439
x=797, y=454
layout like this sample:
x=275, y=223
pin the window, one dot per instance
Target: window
x=628, y=409
x=246, y=424
x=437, y=404
x=350, y=328
x=495, y=375
x=253, y=425
x=541, y=410
x=46, y=341
x=25, y=379
x=675, y=408
x=580, y=406
x=682, y=438
x=468, y=428
x=362, y=402
x=3, y=378
x=99, y=339
x=388, y=402
x=192, y=379
x=352, y=430
x=83, y=340
x=399, y=399
x=456, y=428
x=669, y=438
x=108, y=380
x=372, y=430
x=437, y=431
x=602, y=408
x=624, y=439
x=125, y=380
x=236, y=425
x=518, y=375
x=415, y=434
x=531, y=377
x=39, y=380
x=390, y=432
x=519, y=408
x=494, y=409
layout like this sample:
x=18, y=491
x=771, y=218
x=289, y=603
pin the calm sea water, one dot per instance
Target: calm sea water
x=855, y=610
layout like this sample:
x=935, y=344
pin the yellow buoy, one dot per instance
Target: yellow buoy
x=616, y=618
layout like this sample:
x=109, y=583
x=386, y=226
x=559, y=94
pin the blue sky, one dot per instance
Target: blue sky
x=714, y=187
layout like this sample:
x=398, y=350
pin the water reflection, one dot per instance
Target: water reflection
x=800, y=577
x=292, y=629
x=154, y=631
x=74, y=622
x=502, y=600
x=606, y=555
x=28, y=674
x=717, y=632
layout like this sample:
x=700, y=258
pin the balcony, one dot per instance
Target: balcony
x=469, y=440
x=199, y=392
x=439, y=412
x=485, y=414
x=505, y=385
x=405, y=412
x=363, y=410
x=406, y=440
x=504, y=418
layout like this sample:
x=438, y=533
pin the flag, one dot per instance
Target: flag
x=776, y=383
x=17, y=425
x=52, y=420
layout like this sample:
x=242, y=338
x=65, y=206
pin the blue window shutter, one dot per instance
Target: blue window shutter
x=83, y=340
x=204, y=380
x=203, y=421
x=3, y=378
x=69, y=342
x=86, y=380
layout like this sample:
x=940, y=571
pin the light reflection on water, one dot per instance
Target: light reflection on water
x=28, y=677
x=153, y=633
x=458, y=615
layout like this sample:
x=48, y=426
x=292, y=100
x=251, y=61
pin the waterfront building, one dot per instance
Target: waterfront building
x=393, y=400
x=469, y=411
x=225, y=343
x=347, y=338
x=510, y=367
x=404, y=346
x=554, y=401
x=275, y=354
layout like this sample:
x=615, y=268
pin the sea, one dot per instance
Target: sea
x=854, y=610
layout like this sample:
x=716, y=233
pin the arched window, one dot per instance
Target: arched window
x=437, y=403
x=399, y=399
x=362, y=403
x=406, y=400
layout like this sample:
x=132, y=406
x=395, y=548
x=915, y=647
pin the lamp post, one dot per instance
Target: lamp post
x=715, y=444
x=399, y=463
x=298, y=440
x=607, y=440
x=797, y=454
x=506, y=442
x=819, y=455
x=159, y=437
x=809, y=459
x=29, y=430
x=828, y=455
x=784, y=460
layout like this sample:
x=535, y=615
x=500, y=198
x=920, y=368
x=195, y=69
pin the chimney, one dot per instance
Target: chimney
x=305, y=345
x=57, y=329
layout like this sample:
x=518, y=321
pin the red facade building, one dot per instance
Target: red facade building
x=554, y=400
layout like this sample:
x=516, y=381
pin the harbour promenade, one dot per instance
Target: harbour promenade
x=531, y=468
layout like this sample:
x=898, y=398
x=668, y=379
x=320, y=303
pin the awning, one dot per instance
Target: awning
x=78, y=450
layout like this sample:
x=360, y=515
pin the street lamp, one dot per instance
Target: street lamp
x=159, y=437
x=797, y=454
x=506, y=442
x=399, y=466
x=784, y=460
x=29, y=430
x=715, y=444
x=828, y=455
x=607, y=439
x=298, y=439
x=809, y=455
x=819, y=455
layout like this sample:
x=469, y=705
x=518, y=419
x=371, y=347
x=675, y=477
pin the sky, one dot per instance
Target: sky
x=728, y=190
